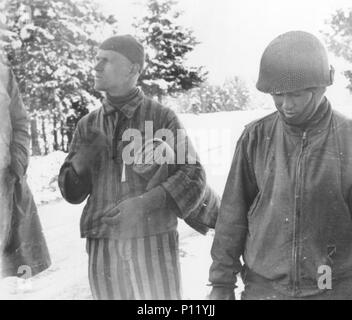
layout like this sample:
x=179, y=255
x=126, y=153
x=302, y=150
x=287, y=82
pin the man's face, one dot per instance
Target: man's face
x=297, y=107
x=112, y=72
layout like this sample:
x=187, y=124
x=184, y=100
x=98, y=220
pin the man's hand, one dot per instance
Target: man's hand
x=222, y=293
x=127, y=213
x=90, y=147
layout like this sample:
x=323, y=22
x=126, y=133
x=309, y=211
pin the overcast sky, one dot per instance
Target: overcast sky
x=234, y=33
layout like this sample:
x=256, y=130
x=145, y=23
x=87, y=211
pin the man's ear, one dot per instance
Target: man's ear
x=135, y=69
x=332, y=74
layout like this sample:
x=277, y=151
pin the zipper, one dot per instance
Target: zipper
x=297, y=215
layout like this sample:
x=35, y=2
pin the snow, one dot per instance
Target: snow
x=161, y=83
x=67, y=278
x=42, y=176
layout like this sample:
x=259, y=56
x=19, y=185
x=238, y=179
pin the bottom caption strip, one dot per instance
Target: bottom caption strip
x=181, y=310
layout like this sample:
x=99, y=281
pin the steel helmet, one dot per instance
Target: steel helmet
x=294, y=61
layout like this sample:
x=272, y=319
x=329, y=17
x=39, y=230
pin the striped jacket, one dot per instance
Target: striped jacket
x=112, y=181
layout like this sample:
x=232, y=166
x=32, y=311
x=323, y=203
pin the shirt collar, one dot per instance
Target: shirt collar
x=128, y=109
x=320, y=122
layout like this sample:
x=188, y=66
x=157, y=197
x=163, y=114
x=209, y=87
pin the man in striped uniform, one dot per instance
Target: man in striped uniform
x=131, y=231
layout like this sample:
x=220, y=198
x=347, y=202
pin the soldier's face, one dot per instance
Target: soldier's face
x=113, y=72
x=298, y=106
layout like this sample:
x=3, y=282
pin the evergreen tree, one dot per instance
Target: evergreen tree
x=232, y=95
x=168, y=44
x=52, y=50
x=339, y=38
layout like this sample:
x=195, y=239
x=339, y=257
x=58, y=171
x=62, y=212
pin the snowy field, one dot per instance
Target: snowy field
x=67, y=277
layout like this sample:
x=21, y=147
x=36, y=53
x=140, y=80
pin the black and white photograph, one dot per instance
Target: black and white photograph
x=184, y=150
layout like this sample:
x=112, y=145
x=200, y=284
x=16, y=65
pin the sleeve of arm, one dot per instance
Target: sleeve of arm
x=74, y=188
x=20, y=136
x=232, y=225
x=185, y=187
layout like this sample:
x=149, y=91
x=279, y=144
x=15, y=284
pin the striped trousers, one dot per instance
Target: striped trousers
x=135, y=269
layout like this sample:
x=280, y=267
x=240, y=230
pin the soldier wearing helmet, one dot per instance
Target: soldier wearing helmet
x=285, y=219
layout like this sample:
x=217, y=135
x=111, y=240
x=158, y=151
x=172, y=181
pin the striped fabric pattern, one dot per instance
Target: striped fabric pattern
x=142, y=269
x=185, y=186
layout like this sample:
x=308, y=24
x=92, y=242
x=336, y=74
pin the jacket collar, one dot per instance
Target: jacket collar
x=320, y=121
x=127, y=109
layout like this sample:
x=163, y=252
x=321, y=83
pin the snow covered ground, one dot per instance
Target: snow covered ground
x=215, y=137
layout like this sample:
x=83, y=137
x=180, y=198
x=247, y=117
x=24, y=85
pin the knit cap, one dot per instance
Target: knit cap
x=126, y=45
